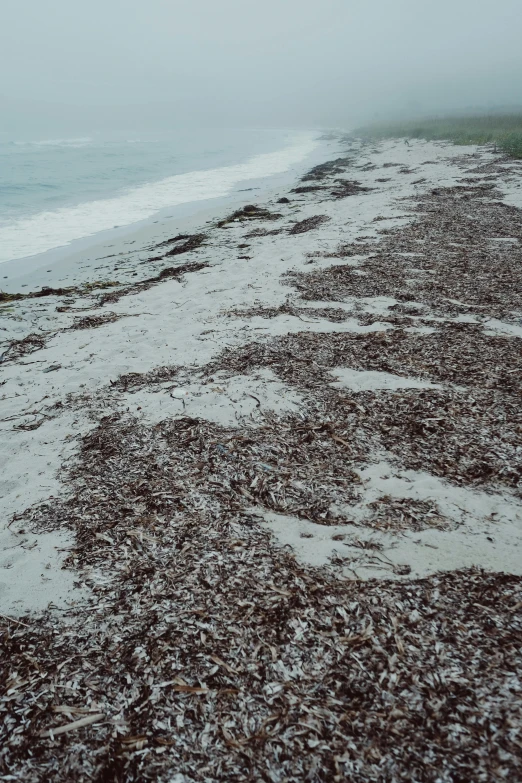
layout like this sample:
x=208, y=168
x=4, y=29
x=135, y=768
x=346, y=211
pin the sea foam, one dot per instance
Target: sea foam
x=44, y=231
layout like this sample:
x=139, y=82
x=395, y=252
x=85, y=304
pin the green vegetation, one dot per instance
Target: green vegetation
x=502, y=130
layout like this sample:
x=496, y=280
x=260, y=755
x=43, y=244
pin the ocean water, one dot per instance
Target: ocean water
x=55, y=191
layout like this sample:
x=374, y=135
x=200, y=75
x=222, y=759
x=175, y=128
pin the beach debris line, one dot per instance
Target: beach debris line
x=263, y=232
x=308, y=189
x=341, y=188
x=82, y=290
x=308, y=314
x=348, y=187
x=190, y=243
x=35, y=342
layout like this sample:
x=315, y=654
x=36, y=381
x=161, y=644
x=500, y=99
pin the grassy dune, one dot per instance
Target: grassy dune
x=505, y=131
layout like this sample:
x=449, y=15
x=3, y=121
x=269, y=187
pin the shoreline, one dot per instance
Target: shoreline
x=290, y=439
x=167, y=222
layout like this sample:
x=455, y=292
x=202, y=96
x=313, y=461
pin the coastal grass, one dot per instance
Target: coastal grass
x=502, y=130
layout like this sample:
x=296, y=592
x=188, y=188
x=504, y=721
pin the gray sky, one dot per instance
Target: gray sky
x=315, y=62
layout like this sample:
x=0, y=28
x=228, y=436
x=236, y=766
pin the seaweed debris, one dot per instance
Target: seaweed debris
x=5, y=297
x=454, y=257
x=348, y=187
x=82, y=290
x=169, y=273
x=188, y=242
x=206, y=653
x=93, y=321
x=263, y=232
x=324, y=170
x=470, y=434
x=398, y=514
x=308, y=189
x=248, y=213
x=341, y=188
x=308, y=224
x=334, y=314
x=17, y=348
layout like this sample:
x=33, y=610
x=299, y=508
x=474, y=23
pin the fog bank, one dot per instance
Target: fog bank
x=297, y=62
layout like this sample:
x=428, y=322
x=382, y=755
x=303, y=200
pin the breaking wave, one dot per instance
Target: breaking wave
x=44, y=231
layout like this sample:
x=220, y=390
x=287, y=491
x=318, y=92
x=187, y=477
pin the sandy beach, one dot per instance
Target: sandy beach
x=260, y=481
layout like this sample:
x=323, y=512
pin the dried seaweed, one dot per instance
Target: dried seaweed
x=455, y=263
x=468, y=434
x=29, y=344
x=82, y=290
x=308, y=189
x=204, y=651
x=169, y=273
x=302, y=226
x=208, y=653
x=93, y=321
x=5, y=297
x=346, y=187
x=188, y=243
x=324, y=170
x=248, y=213
x=334, y=314
x=399, y=514
x=263, y=232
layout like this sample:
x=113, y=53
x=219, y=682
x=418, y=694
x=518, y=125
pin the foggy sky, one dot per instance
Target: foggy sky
x=265, y=62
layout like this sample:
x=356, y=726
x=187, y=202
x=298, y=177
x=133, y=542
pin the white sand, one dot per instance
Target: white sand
x=486, y=530
x=187, y=324
x=370, y=380
x=225, y=401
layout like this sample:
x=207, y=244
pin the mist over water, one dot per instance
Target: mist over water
x=73, y=76
x=177, y=63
